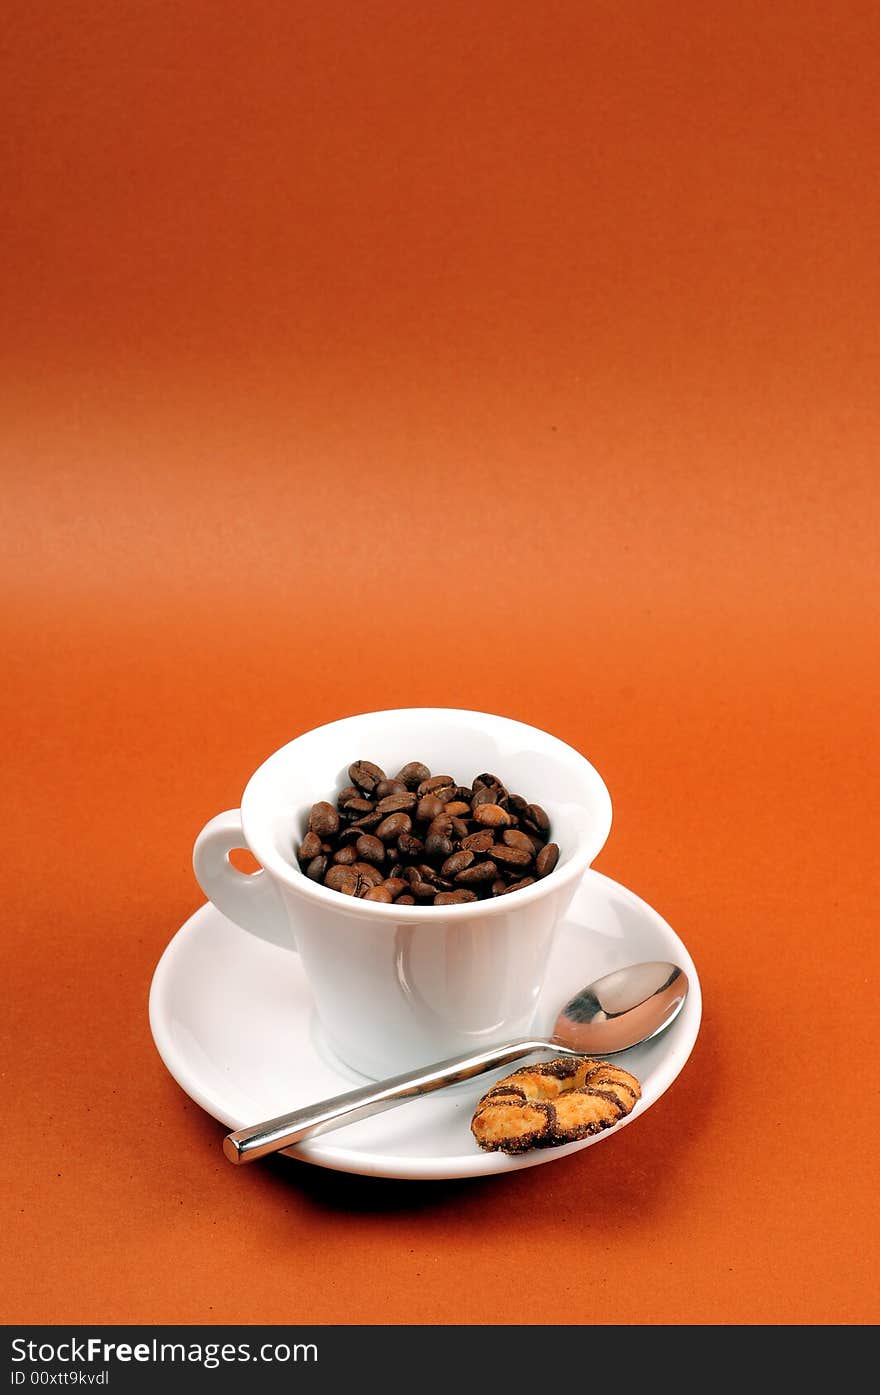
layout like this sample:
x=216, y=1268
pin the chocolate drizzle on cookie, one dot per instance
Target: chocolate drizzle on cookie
x=553, y=1102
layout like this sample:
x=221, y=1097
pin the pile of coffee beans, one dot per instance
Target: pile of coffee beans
x=422, y=839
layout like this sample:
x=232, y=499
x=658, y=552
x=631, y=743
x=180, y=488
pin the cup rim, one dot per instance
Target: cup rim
x=291, y=875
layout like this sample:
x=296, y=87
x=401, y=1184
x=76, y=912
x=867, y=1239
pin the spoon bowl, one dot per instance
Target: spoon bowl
x=616, y=1012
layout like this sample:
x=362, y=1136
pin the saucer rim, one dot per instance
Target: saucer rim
x=322, y=1153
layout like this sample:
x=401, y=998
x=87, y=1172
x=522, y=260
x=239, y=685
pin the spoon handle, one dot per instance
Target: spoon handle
x=246, y=1145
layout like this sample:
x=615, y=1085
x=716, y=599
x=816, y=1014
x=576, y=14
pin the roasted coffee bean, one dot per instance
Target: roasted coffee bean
x=423, y=890
x=485, y=779
x=392, y=827
x=498, y=887
x=370, y=849
x=366, y=822
x=538, y=817
x=459, y=829
x=323, y=819
x=456, y=863
x=429, y=807
x=316, y=868
x=436, y=845
x=477, y=873
x=427, y=873
x=349, y=835
x=344, y=879
x=387, y=787
x=395, y=885
x=440, y=825
x=547, y=859
x=378, y=893
x=486, y=794
x=510, y=857
x=366, y=775
x=435, y=784
x=397, y=801
x=456, y=808
x=310, y=847
x=346, y=855
x=406, y=900
x=517, y=886
x=413, y=773
x=409, y=845
x=512, y=838
x=492, y=816
x=454, y=898
x=480, y=841
x=356, y=806
x=368, y=872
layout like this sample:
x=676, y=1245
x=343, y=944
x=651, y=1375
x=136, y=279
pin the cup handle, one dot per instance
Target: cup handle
x=248, y=898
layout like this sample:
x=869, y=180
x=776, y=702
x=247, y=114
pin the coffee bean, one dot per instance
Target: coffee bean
x=454, y=898
x=498, y=887
x=378, y=893
x=512, y=838
x=517, y=805
x=387, y=787
x=370, y=849
x=323, y=819
x=413, y=773
x=479, y=872
x=310, y=847
x=492, y=816
x=368, y=873
x=459, y=829
x=436, y=845
x=423, y=890
x=366, y=775
x=517, y=886
x=395, y=885
x=392, y=827
x=356, y=805
x=485, y=779
x=346, y=855
x=547, y=859
x=394, y=802
x=410, y=846
x=435, y=783
x=456, y=863
x=538, y=817
x=480, y=841
x=456, y=807
x=349, y=835
x=405, y=900
x=429, y=807
x=317, y=867
x=510, y=857
x=344, y=879
x=486, y=794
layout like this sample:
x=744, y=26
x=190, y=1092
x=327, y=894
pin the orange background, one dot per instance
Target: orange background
x=500, y=355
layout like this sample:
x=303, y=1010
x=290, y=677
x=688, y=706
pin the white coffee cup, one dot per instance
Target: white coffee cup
x=397, y=987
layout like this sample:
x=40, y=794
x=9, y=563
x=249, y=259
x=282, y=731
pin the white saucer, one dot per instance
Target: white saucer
x=232, y=1019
